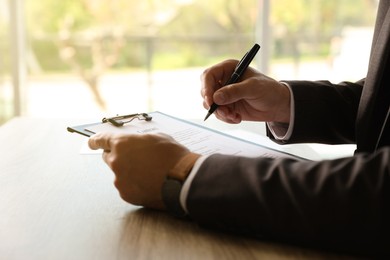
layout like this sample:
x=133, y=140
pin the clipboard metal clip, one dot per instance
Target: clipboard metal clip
x=121, y=120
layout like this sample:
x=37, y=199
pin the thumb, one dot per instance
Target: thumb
x=232, y=93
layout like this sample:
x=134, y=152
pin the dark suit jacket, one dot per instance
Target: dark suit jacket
x=340, y=204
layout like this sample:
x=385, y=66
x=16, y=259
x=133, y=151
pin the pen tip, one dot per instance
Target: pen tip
x=207, y=116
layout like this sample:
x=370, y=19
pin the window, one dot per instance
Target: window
x=96, y=58
x=6, y=91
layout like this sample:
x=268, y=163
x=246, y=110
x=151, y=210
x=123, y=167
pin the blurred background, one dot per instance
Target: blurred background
x=96, y=58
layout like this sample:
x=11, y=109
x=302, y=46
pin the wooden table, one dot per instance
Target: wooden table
x=56, y=203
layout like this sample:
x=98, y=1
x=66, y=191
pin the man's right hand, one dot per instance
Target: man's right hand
x=255, y=97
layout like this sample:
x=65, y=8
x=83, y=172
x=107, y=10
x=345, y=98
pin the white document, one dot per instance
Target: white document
x=195, y=137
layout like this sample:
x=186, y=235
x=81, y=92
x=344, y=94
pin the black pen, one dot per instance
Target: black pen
x=238, y=71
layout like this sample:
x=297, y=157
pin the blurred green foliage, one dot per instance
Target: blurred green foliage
x=170, y=34
x=174, y=33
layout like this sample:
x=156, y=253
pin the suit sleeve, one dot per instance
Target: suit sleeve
x=324, y=112
x=337, y=204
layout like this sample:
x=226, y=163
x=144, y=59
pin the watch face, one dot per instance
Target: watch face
x=171, y=196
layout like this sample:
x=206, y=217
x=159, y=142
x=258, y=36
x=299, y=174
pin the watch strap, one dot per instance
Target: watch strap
x=171, y=190
x=173, y=184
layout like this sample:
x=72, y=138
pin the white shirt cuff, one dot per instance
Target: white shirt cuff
x=187, y=183
x=283, y=131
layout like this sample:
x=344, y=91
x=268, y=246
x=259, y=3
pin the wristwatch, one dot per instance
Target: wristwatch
x=173, y=184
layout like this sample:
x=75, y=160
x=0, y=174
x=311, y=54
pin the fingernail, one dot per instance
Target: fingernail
x=207, y=100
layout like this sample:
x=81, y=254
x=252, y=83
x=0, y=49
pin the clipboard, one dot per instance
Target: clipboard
x=116, y=121
x=195, y=137
x=82, y=129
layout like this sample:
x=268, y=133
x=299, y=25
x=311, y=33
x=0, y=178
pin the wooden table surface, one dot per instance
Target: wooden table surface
x=56, y=203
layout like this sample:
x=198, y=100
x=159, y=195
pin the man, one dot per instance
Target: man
x=341, y=204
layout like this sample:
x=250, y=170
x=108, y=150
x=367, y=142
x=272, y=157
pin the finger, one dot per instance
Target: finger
x=234, y=92
x=100, y=141
x=227, y=115
x=105, y=156
x=207, y=101
x=213, y=78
